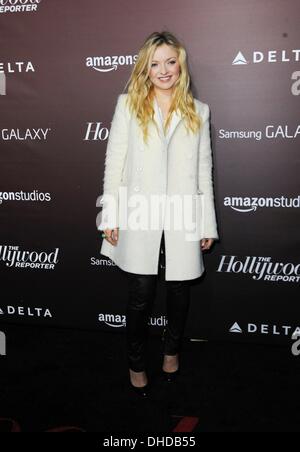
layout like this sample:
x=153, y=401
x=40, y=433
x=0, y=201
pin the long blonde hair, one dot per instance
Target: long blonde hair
x=140, y=88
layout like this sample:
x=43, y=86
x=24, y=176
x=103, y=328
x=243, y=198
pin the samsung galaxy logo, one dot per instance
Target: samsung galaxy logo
x=245, y=204
x=271, y=56
x=270, y=132
x=96, y=262
x=18, y=6
x=25, y=134
x=110, y=63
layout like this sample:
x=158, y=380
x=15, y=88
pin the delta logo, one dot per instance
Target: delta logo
x=271, y=56
x=265, y=329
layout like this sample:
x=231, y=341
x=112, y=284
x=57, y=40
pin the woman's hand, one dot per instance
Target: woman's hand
x=206, y=244
x=112, y=235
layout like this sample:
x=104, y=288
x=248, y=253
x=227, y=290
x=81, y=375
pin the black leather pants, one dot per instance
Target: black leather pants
x=142, y=292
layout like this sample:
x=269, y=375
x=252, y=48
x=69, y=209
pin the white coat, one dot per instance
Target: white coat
x=181, y=165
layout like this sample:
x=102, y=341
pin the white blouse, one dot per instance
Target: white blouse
x=172, y=123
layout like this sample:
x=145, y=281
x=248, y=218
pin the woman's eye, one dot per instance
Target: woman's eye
x=172, y=62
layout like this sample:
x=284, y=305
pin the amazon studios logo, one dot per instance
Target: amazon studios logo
x=110, y=63
x=246, y=204
x=119, y=320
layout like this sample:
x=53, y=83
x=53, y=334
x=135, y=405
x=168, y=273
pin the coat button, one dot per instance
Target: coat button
x=139, y=168
x=136, y=188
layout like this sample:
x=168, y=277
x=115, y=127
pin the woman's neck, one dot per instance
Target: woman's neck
x=163, y=96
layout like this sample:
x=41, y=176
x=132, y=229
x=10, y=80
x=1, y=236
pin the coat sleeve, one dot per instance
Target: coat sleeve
x=209, y=224
x=116, y=151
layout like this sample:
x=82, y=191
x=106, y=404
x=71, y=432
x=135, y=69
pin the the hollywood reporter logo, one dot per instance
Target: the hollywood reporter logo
x=16, y=6
x=19, y=2
x=13, y=256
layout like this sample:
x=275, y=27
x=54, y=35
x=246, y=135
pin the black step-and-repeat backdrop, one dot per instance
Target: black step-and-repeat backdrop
x=62, y=65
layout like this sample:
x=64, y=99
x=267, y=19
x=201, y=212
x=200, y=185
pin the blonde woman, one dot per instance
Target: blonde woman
x=159, y=164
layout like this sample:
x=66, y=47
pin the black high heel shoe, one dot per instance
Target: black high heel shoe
x=170, y=377
x=142, y=391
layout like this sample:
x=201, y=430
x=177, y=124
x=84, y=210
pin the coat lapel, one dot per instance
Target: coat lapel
x=175, y=120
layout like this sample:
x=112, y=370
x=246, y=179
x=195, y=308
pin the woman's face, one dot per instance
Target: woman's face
x=165, y=68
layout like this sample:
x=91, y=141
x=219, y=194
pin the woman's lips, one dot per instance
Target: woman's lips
x=165, y=79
